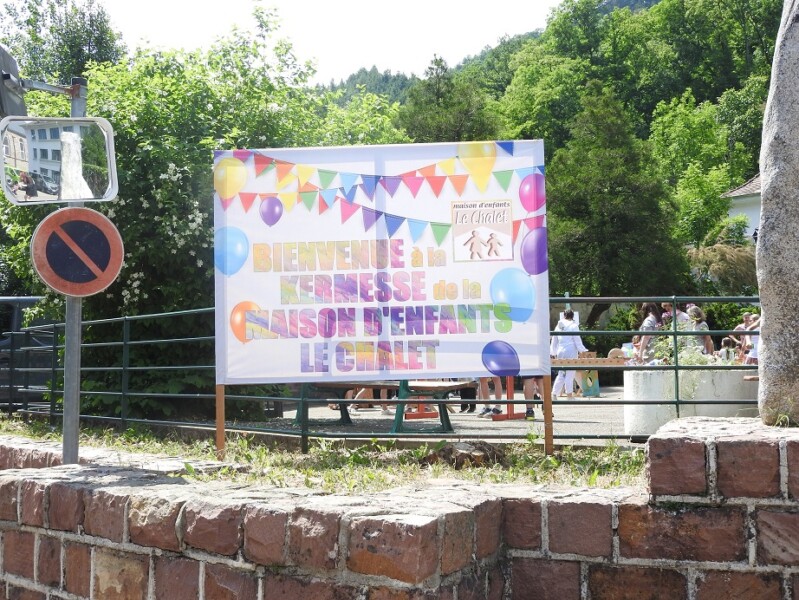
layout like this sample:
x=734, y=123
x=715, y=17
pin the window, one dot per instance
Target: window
x=42, y=134
x=44, y=154
x=57, y=155
x=35, y=154
x=54, y=133
x=45, y=172
x=23, y=153
x=69, y=128
x=6, y=149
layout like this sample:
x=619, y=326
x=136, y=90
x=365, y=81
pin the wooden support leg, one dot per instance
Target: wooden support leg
x=220, y=422
x=549, y=445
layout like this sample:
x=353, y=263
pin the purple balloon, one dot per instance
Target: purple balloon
x=271, y=210
x=534, y=251
x=501, y=359
x=532, y=193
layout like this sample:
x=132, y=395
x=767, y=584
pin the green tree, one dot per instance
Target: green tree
x=445, y=106
x=609, y=230
x=57, y=39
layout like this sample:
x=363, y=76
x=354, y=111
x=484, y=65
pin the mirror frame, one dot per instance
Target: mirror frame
x=108, y=132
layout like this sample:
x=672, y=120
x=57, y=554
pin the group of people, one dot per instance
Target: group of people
x=734, y=348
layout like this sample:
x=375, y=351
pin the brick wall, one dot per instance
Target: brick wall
x=720, y=520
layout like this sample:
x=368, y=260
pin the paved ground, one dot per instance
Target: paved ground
x=591, y=424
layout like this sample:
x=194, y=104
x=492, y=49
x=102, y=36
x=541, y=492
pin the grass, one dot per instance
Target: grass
x=333, y=467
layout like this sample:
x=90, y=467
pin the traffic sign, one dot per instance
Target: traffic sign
x=77, y=251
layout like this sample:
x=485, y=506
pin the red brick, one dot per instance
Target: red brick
x=457, y=541
x=279, y=587
x=748, y=468
x=213, y=527
x=580, y=528
x=77, y=568
x=65, y=512
x=701, y=533
x=384, y=593
x=403, y=548
x=224, y=583
x=265, y=535
x=119, y=575
x=8, y=499
x=32, y=495
x=521, y=524
x=488, y=526
x=18, y=553
x=633, y=583
x=105, y=515
x=792, y=448
x=313, y=538
x=176, y=578
x=472, y=586
x=777, y=537
x=496, y=584
x=49, y=569
x=676, y=465
x=545, y=579
x=18, y=593
x=152, y=522
x=35, y=458
x=726, y=585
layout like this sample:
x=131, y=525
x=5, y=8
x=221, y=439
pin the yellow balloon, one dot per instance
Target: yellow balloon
x=230, y=175
x=478, y=158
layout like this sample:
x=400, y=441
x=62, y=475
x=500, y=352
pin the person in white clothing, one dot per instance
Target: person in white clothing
x=565, y=346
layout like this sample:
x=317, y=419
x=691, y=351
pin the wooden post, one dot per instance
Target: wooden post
x=220, y=422
x=549, y=445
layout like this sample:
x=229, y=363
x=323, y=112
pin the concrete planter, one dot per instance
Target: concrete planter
x=653, y=387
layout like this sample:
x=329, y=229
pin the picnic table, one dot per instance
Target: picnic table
x=404, y=389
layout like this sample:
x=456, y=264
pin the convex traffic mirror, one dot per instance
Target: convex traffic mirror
x=49, y=160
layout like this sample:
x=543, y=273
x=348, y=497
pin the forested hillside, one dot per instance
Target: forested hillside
x=649, y=113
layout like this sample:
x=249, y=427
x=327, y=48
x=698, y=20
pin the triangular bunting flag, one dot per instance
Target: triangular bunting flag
x=289, y=199
x=413, y=182
x=416, y=228
x=304, y=173
x=325, y=178
x=436, y=183
x=506, y=146
x=540, y=169
x=427, y=171
x=440, y=231
x=393, y=222
x=459, y=182
x=370, y=217
x=447, y=166
x=242, y=155
x=328, y=197
x=347, y=210
x=350, y=194
x=226, y=203
x=368, y=185
x=246, y=200
x=348, y=181
x=322, y=205
x=308, y=187
x=263, y=163
x=524, y=172
x=516, y=225
x=534, y=222
x=390, y=184
x=283, y=169
x=503, y=177
x=308, y=198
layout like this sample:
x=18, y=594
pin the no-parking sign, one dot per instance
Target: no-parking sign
x=77, y=251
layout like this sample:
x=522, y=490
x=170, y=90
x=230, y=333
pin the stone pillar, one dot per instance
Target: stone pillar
x=778, y=235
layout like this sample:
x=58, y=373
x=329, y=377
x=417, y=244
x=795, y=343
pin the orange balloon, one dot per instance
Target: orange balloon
x=238, y=319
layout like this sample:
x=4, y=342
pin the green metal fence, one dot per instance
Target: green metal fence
x=132, y=364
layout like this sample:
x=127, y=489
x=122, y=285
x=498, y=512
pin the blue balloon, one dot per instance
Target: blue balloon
x=515, y=288
x=501, y=359
x=231, y=248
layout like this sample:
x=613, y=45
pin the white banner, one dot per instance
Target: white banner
x=381, y=262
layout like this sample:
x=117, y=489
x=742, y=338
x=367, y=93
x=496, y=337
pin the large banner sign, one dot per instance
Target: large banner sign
x=381, y=262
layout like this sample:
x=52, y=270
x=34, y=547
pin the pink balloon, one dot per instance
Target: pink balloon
x=532, y=192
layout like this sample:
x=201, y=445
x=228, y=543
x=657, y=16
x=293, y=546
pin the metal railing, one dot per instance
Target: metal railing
x=132, y=363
